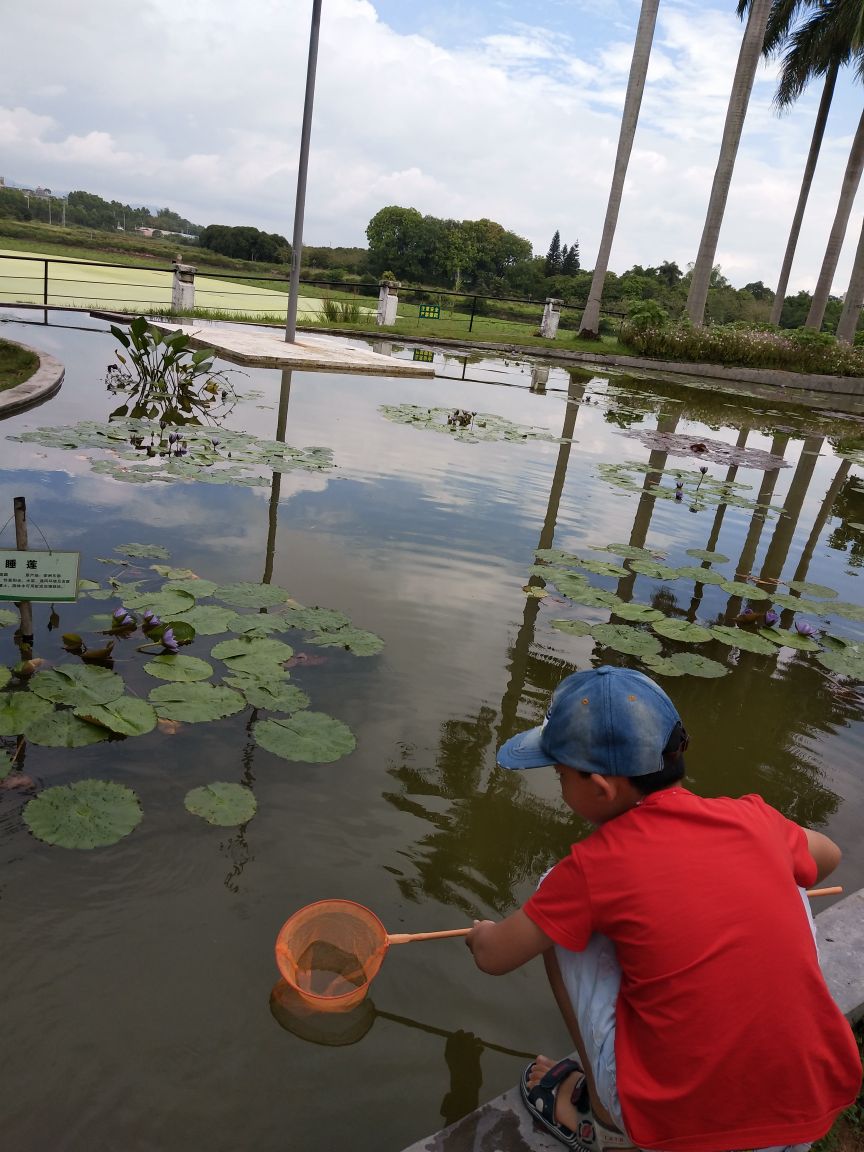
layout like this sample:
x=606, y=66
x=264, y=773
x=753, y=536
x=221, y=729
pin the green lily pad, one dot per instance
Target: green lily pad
x=171, y=573
x=744, y=640
x=222, y=804
x=600, y=567
x=850, y=611
x=154, y=550
x=638, y=613
x=198, y=589
x=312, y=737
x=700, y=575
x=835, y=643
x=785, y=639
x=258, y=624
x=125, y=716
x=5, y=675
x=630, y=551
x=18, y=710
x=663, y=666
x=709, y=557
x=7, y=617
x=688, y=664
x=252, y=653
x=316, y=619
x=195, y=703
x=554, y=555
x=355, y=640
x=274, y=696
x=63, y=729
x=799, y=604
x=574, y=627
x=87, y=814
x=180, y=669
x=742, y=588
x=847, y=663
x=164, y=603
x=571, y=584
x=210, y=619
x=622, y=638
x=246, y=595
x=6, y=764
x=653, y=569
x=820, y=591
x=594, y=597
x=683, y=630
x=77, y=684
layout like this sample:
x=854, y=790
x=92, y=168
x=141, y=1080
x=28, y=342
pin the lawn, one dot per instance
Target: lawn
x=16, y=364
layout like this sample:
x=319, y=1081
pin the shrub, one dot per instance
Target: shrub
x=646, y=314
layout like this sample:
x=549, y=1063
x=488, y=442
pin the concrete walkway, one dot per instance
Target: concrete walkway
x=503, y=1125
x=267, y=348
x=44, y=382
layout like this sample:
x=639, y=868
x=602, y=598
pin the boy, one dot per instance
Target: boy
x=678, y=944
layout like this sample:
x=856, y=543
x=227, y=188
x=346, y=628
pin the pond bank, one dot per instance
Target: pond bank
x=44, y=382
x=503, y=1124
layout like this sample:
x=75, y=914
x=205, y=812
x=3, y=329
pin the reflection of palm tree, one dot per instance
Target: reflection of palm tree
x=818, y=524
x=787, y=522
x=276, y=482
x=714, y=535
x=590, y=325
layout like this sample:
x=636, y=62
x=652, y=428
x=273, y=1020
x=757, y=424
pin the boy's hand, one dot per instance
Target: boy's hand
x=471, y=938
x=500, y=946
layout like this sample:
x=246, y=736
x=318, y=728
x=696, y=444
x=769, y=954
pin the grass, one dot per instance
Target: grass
x=17, y=364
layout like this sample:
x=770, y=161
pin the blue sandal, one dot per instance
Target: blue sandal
x=589, y=1135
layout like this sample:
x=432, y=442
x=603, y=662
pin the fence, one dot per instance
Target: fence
x=81, y=285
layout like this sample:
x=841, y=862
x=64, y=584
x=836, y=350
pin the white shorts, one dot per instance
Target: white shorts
x=592, y=979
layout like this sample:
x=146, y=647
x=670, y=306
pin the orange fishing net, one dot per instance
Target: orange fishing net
x=330, y=952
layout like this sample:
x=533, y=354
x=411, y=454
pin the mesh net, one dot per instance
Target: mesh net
x=330, y=952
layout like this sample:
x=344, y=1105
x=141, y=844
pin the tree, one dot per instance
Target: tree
x=742, y=85
x=570, y=261
x=554, y=256
x=590, y=325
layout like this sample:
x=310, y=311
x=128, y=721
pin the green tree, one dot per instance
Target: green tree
x=570, y=259
x=395, y=238
x=553, y=256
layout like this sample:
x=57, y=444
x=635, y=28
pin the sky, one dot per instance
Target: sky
x=506, y=109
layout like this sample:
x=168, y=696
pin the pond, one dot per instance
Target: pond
x=137, y=985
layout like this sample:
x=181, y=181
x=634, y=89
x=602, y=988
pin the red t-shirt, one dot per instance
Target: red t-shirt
x=727, y=1035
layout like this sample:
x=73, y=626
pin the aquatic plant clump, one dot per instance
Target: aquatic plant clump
x=461, y=424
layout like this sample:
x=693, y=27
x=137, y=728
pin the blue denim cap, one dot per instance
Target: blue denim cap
x=612, y=721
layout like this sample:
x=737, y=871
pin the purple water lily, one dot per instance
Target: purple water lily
x=121, y=619
x=804, y=629
x=771, y=617
x=169, y=641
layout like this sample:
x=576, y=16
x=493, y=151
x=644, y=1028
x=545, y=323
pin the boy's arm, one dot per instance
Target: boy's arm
x=499, y=947
x=824, y=851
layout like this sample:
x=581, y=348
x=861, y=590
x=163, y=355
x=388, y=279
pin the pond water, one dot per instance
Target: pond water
x=140, y=997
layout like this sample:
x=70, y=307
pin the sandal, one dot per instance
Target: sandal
x=589, y=1135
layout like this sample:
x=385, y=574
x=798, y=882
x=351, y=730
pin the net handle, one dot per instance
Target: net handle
x=410, y=937
x=825, y=891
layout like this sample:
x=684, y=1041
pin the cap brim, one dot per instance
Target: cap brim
x=524, y=751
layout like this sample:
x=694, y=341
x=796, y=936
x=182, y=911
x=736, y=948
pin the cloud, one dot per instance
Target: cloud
x=201, y=111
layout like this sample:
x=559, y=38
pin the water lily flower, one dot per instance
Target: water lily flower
x=804, y=629
x=169, y=641
x=703, y=469
x=120, y=618
x=771, y=617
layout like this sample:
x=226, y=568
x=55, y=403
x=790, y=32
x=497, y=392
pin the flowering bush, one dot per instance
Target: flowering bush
x=797, y=350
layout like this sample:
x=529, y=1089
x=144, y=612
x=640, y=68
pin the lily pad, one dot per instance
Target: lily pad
x=846, y=663
x=5, y=675
x=312, y=737
x=258, y=624
x=654, y=570
x=799, y=604
x=315, y=619
x=688, y=664
x=252, y=653
x=355, y=640
x=638, y=613
x=683, y=630
x=708, y=556
x=850, y=611
x=600, y=567
x=87, y=814
x=126, y=716
x=785, y=639
x=222, y=804
x=573, y=627
x=210, y=619
x=630, y=551
x=569, y=584
x=63, y=729
x=742, y=639
x=819, y=591
x=700, y=575
x=247, y=595
x=163, y=603
x=594, y=597
x=195, y=703
x=622, y=638
x=7, y=617
x=154, y=550
x=742, y=588
x=77, y=684
x=6, y=764
x=19, y=710
x=180, y=669
x=197, y=588
x=274, y=696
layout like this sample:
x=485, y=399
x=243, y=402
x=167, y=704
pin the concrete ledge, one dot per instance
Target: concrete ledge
x=503, y=1125
x=43, y=384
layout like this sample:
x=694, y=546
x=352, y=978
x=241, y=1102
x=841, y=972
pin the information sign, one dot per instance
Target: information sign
x=32, y=575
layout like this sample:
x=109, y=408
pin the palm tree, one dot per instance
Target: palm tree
x=742, y=85
x=590, y=326
x=848, y=323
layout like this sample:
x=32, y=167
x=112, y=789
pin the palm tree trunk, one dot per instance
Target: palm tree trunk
x=851, y=179
x=590, y=325
x=854, y=297
x=806, y=182
x=742, y=85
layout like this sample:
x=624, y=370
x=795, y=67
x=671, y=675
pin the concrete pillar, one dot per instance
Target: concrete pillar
x=183, y=288
x=551, y=317
x=539, y=378
x=388, y=301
